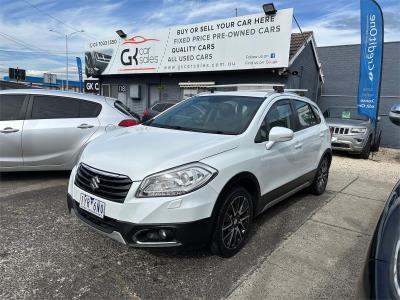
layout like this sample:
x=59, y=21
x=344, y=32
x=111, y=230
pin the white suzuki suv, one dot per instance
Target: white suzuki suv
x=201, y=171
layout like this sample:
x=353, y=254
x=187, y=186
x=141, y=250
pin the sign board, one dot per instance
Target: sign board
x=246, y=42
x=122, y=88
x=16, y=74
x=92, y=86
x=49, y=78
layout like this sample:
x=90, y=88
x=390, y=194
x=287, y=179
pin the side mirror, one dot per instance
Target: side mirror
x=279, y=135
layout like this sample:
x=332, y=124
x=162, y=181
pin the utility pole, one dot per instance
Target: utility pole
x=236, y=10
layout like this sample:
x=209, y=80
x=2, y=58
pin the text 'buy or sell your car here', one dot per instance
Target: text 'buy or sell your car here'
x=200, y=172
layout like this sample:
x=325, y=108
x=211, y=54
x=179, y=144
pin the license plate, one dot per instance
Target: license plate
x=334, y=139
x=92, y=205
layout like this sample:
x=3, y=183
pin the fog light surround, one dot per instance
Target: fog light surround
x=154, y=235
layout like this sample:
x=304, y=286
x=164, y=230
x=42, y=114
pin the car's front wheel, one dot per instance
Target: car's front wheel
x=233, y=223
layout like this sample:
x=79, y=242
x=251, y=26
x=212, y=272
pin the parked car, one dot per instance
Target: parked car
x=352, y=132
x=46, y=130
x=157, y=108
x=202, y=170
x=394, y=114
x=381, y=276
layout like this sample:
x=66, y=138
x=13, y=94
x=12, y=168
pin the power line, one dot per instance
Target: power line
x=56, y=19
x=34, y=48
x=33, y=51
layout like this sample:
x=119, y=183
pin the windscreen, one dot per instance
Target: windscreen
x=211, y=114
x=344, y=113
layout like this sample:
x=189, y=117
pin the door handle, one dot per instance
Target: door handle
x=321, y=134
x=85, y=126
x=298, y=146
x=9, y=130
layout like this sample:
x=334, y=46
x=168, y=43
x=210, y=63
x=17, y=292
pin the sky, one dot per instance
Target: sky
x=27, y=42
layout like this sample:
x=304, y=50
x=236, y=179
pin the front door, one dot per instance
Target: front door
x=279, y=165
x=12, y=114
x=56, y=131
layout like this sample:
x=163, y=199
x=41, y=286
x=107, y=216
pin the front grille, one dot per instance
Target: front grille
x=110, y=186
x=340, y=145
x=340, y=130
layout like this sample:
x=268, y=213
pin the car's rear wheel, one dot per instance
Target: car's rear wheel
x=366, y=150
x=321, y=178
x=233, y=223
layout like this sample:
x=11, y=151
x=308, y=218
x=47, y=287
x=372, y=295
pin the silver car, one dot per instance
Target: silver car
x=352, y=132
x=47, y=130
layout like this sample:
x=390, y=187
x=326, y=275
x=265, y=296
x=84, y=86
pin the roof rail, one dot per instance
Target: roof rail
x=255, y=87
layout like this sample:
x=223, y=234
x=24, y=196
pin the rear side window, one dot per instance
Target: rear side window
x=50, y=107
x=279, y=115
x=11, y=107
x=305, y=115
x=89, y=109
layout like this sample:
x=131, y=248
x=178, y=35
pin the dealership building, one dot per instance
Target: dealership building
x=249, y=52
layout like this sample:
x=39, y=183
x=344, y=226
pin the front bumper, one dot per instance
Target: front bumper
x=349, y=143
x=196, y=233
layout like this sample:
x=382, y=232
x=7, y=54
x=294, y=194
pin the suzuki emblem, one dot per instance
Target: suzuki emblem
x=94, y=183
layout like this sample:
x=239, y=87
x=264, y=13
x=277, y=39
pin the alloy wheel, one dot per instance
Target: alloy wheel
x=236, y=222
x=322, y=177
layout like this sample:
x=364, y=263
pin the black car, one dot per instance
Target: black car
x=157, y=108
x=381, y=278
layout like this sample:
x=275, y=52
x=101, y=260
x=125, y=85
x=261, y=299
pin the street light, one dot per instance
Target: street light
x=66, y=35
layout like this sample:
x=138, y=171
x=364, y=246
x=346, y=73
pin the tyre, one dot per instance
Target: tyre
x=375, y=147
x=321, y=178
x=366, y=150
x=233, y=223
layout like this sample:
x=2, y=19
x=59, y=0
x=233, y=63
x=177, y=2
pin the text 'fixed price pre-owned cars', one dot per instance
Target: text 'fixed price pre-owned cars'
x=199, y=172
x=46, y=130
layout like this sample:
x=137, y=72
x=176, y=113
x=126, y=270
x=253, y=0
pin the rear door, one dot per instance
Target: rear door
x=57, y=128
x=12, y=114
x=308, y=135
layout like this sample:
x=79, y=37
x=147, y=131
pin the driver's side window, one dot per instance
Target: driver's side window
x=279, y=115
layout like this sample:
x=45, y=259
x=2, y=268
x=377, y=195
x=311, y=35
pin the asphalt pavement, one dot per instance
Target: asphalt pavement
x=46, y=253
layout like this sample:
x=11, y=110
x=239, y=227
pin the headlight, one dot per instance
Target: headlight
x=177, y=181
x=358, y=130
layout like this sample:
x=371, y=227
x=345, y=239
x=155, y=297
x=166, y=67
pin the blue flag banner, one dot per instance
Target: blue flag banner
x=371, y=54
x=79, y=64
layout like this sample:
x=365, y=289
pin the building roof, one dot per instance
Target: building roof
x=297, y=41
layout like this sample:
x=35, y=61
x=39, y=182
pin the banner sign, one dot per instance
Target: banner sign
x=79, y=64
x=247, y=42
x=371, y=54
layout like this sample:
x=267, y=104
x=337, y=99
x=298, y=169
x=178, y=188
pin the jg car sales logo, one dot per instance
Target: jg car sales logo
x=138, y=58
